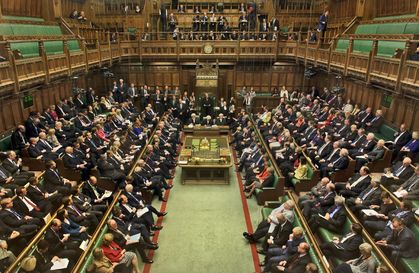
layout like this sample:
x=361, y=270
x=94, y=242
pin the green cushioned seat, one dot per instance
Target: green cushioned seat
x=6, y=29
x=265, y=212
x=412, y=265
x=412, y=28
x=5, y=143
x=97, y=244
x=342, y=45
x=391, y=28
x=54, y=47
x=367, y=29
x=362, y=46
x=22, y=18
x=258, y=191
x=73, y=45
x=387, y=48
x=386, y=132
x=28, y=49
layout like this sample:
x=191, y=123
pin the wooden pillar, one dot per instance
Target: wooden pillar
x=371, y=58
x=98, y=47
x=67, y=57
x=110, y=49
x=348, y=53
x=44, y=58
x=329, y=59
x=13, y=68
x=400, y=70
x=86, y=57
x=119, y=48
x=417, y=9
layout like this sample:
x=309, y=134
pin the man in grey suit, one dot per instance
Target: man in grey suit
x=399, y=173
x=376, y=154
x=409, y=190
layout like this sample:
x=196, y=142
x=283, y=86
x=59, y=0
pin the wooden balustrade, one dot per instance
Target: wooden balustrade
x=393, y=72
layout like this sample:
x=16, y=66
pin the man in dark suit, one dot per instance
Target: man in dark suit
x=39, y=195
x=14, y=167
x=398, y=173
x=44, y=259
x=401, y=138
x=369, y=196
x=355, y=185
x=401, y=243
x=207, y=106
x=339, y=164
x=375, y=123
x=53, y=181
x=83, y=218
x=23, y=223
x=321, y=203
x=295, y=263
x=91, y=190
x=376, y=154
x=221, y=120
x=194, y=120
x=75, y=163
x=6, y=179
x=322, y=27
x=36, y=151
x=333, y=220
x=25, y=206
x=60, y=244
x=18, y=138
x=363, y=117
x=121, y=236
x=32, y=127
x=280, y=234
x=108, y=170
x=366, y=146
x=347, y=247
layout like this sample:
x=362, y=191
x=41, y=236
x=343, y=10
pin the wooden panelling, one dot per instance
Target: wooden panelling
x=391, y=7
x=32, y=8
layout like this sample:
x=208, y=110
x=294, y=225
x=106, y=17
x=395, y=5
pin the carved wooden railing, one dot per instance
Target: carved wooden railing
x=399, y=73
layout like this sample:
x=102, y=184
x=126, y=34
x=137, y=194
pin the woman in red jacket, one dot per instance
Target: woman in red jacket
x=116, y=254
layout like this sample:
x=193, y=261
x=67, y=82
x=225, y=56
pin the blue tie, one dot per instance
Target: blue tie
x=334, y=211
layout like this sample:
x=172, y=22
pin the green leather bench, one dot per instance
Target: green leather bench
x=22, y=18
x=5, y=142
x=385, y=132
x=97, y=244
x=342, y=45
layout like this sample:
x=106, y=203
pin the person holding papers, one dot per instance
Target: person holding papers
x=398, y=173
x=25, y=206
x=355, y=185
x=131, y=242
x=116, y=254
x=376, y=212
x=45, y=261
x=345, y=248
x=333, y=220
x=14, y=166
x=97, y=195
x=409, y=190
x=368, y=197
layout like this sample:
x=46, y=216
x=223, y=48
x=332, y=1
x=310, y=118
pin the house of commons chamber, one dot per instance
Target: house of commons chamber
x=209, y=136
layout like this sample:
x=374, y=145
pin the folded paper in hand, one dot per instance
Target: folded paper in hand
x=60, y=264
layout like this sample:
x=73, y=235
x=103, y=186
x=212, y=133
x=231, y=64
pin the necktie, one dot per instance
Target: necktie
x=334, y=212
x=400, y=170
x=367, y=194
x=76, y=210
x=18, y=216
x=349, y=235
x=95, y=191
x=47, y=144
x=2, y=174
x=357, y=181
x=413, y=184
x=397, y=138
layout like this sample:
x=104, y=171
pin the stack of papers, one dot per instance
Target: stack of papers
x=60, y=264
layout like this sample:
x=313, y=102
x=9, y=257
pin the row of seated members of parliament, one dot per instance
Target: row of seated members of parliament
x=328, y=145
x=109, y=150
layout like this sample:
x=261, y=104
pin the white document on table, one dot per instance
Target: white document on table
x=83, y=244
x=106, y=194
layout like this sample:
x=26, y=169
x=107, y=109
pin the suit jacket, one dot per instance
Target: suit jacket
x=412, y=187
x=269, y=181
x=6, y=172
x=376, y=123
x=367, y=146
x=89, y=191
x=376, y=154
x=341, y=164
x=36, y=195
x=297, y=264
x=19, y=140
x=32, y=130
x=339, y=218
x=281, y=233
x=351, y=244
x=402, y=138
x=405, y=174
x=34, y=151
x=326, y=150
x=71, y=162
x=10, y=167
x=11, y=220
x=362, y=185
x=403, y=242
x=370, y=197
x=52, y=179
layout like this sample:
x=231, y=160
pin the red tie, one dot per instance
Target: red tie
x=32, y=204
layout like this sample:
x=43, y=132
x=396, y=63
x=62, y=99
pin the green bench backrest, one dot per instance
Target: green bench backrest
x=387, y=48
x=96, y=245
x=388, y=28
x=28, y=49
x=73, y=45
x=22, y=18
x=309, y=172
x=387, y=132
x=5, y=143
x=342, y=45
x=362, y=46
x=54, y=47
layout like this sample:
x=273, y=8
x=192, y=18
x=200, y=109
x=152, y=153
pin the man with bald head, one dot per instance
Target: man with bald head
x=18, y=138
x=376, y=154
x=73, y=162
x=296, y=262
x=398, y=173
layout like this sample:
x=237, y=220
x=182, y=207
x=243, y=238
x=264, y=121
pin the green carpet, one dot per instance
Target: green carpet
x=203, y=230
